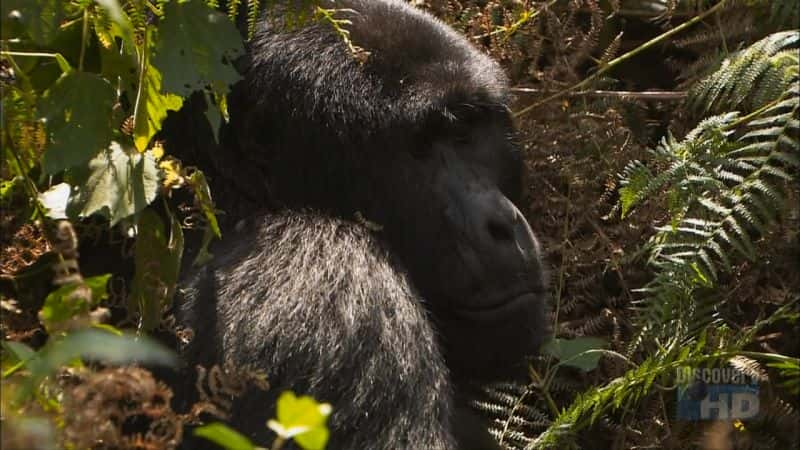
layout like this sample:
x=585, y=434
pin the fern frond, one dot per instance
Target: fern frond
x=750, y=78
x=784, y=12
x=253, y=13
x=637, y=384
x=512, y=420
x=726, y=180
x=233, y=9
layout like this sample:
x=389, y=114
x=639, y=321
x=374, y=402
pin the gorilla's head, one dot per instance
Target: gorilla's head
x=415, y=136
x=448, y=205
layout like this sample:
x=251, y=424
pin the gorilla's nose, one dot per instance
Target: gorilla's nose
x=505, y=241
x=503, y=223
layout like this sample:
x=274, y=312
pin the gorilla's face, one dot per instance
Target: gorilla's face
x=455, y=223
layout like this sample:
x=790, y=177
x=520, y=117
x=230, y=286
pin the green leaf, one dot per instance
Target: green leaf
x=202, y=196
x=152, y=109
x=303, y=419
x=20, y=351
x=637, y=178
x=69, y=300
x=214, y=116
x=114, y=11
x=77, y=109
x=196, y=48
x=224, y=436
x=158, y=260
x=108, y=348
x=95, y=345
x=15, y=355
x=39, y=19
x=119, y=183
x=576, y=352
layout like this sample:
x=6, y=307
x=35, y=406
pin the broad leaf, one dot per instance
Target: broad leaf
x=105, y=347
x=153, y=108
x=303, y=419
x=14, y=356
x=119, y=183
x=196, y=48
x=224, y=436
x=576, y=352
x=94, y=345
x=78, y=113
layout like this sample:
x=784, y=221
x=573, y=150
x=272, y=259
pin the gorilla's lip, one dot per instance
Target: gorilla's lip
x=506, y=306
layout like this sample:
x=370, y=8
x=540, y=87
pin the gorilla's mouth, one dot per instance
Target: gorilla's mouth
x=499, y=309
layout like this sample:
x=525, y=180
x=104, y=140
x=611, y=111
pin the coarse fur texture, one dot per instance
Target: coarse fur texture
x=320, y=306
x=440, y=286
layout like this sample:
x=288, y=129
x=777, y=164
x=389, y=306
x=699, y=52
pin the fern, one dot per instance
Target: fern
x=726, y=181
x=637, y=384
x=253, y=12
x=784, y=12
x=511, y=420
x=750, y=78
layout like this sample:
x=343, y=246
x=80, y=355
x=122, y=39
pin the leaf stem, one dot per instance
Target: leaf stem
x=622, y=58
x=756, y=113
x=142, y=53
x=62, y=62
x=84, y=38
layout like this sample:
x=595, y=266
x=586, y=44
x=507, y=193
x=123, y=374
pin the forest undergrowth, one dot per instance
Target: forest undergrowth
x=662, y=141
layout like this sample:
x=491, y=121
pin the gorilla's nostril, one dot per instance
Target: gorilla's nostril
x=500, y=232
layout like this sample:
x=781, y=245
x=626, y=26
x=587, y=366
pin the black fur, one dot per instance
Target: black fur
x=390, y=326
x=319, y=305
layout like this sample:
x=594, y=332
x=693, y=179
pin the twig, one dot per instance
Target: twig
x=620, y=59
x=84, y=38
x=642, y=95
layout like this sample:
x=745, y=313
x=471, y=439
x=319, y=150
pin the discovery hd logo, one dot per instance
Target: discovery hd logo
x=722, y=393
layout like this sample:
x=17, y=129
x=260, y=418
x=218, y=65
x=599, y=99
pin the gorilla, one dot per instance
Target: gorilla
x=388, y=268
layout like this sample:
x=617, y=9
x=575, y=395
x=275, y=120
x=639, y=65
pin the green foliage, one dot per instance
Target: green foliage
x=582, y=353
x=789, y=369
x=784, y=12
x=726, y=182
x=196, y=48
x=86, y=87
x=157, y=258
x=38, y=20
x=659, y=368
x=86, y=344
x=68, y=301
x=721, y=187
x=224, y=436
x=197, y=181
x=750, y=78
x=118, y=183
x=152, y=108
x=77, y=110
x=120, y=73
x=302, y=419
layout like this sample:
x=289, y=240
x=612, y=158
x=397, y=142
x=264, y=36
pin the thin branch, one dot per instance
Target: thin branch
x=620, y=59
x=84, y=38
x=642, y=95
